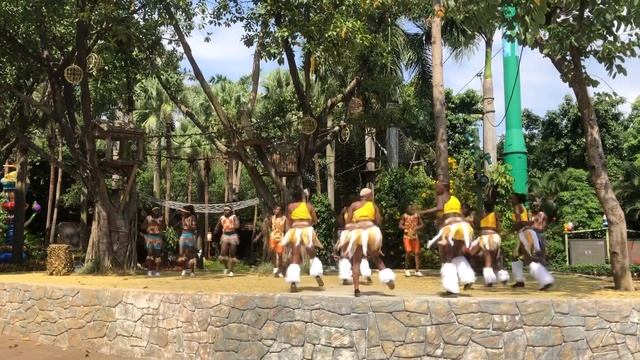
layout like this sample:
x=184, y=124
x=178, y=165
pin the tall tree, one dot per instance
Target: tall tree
x=439, y=105
x=568, y=33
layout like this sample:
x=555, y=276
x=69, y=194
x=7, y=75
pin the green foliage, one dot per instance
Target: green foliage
x=170, y=241
x=578, y=202
x=592, y=269
x=395, y=190
x=326, y=226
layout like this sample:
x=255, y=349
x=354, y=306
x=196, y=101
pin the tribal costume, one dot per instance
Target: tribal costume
x=153, y=242
x=529, y=251
x=489, y=244
x=187, y=242
x=455, y=234
x=302, y=234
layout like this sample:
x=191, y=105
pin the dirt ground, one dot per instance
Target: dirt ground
x=566, y=286
x=25, y=349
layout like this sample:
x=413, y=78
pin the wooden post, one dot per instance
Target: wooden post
x=370, y=154
x=331, y=167
x=392, y=146
x=253, y=233
x=56, y=204
x=22, y=162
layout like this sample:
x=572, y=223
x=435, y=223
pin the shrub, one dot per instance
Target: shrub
x=326, y=226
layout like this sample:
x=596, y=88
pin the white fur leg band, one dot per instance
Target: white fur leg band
x=503, y=276
x=365, y=270
x=518, y=271
x=465, y=272
x=386, y=276
x=315, y=269
x=449, y=277
x=293, y=273
x=542, y=276
x=344, y=269
x=489, y=276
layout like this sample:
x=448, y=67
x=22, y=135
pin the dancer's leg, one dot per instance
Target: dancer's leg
x=224, y=255
x=315, y=268
x=385, y=275
x=355, y=270
x=232, y=257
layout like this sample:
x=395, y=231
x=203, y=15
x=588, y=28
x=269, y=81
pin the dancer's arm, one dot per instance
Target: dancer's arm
x=439, y=207
x=378, y=215
x=401, y=223
x=236, y=222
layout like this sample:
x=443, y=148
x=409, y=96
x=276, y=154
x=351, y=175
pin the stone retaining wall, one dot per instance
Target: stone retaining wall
x=202, y=326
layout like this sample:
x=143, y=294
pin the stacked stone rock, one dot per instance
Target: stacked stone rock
x=59, y=260
x=204, y=326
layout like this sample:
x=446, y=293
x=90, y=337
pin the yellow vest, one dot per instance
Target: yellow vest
x=452, y=206
x=366, y=212
x=301, y=212
x=489, y=221
x=524, y=215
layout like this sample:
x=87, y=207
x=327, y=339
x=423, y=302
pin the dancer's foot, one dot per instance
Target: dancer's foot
x=184, y=273
x=319, y=281
x=345, y=282
x=293, y=288
x=280, y=275
x=226, y=271
x=546, y=287
x=505, y=283
x=407, y=273
x=467, y=286
x=356, y=293
x=193, y=273
x=230, y=274
x=149, y=273
x=391, y=284
x=157, y=273
x=518, y=284
x=450, y=294
x=489, y=285
x=418, y=273
x=368, y=280
x=275, y=271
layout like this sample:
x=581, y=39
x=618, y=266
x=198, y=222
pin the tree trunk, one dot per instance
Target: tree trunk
x=205, y=178
x=600, y=178
x=316, y=164
x=84, y=218
x=393, y=146
x=442, y=153
x=56, y=204
x=488, y=106
x=167, y=188
x=157, y=169
x=20, y=201
x=189, y=181
x=52, y=189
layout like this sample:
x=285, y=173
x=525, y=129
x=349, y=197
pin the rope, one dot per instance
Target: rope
x=202, y=208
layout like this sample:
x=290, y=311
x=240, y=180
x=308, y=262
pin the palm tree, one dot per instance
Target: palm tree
x=154, y=112
x=628, y=189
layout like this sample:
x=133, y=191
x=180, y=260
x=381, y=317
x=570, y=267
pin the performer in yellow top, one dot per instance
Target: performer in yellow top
x=411, y=223
x=365, y=239
x=489, y=244
x=454, y=236
x=301, y=216
x=274, y=227
x=528, y=249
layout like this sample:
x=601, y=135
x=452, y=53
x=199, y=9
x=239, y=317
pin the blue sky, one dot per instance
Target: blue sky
x=541, y=87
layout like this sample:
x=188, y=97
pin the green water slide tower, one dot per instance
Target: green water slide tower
x=515, y=150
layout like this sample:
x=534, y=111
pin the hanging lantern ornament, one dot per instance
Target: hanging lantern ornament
x=308, y=125
x=344, y=135
x=94, y=63
x=73, y=74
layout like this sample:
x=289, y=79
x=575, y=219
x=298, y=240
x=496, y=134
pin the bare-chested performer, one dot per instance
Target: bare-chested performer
x=188, y=241
x=528, y=249
x=411, y=223
x=274, y=228
x=540, y=222
x=229, y=240
x=365, y=239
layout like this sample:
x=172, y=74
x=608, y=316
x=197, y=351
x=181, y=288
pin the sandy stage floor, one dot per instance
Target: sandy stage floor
x=12, y=347
x=574, y=286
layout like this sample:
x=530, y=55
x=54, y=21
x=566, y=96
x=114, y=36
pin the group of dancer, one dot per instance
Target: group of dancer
x=360, y=240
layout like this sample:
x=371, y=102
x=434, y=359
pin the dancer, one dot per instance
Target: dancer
x=528, y=248
x=489, y=244
x=540, y=222
x=344, y=266
x=188, y=241
x=411, y=223
x=454, y=236
x=301, y=216
x=229, y=239
x=153, y=225
x=274, y=226
x=365, y=239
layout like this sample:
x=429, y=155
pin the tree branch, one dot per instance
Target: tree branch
x=295, y=78
x=346, y=95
